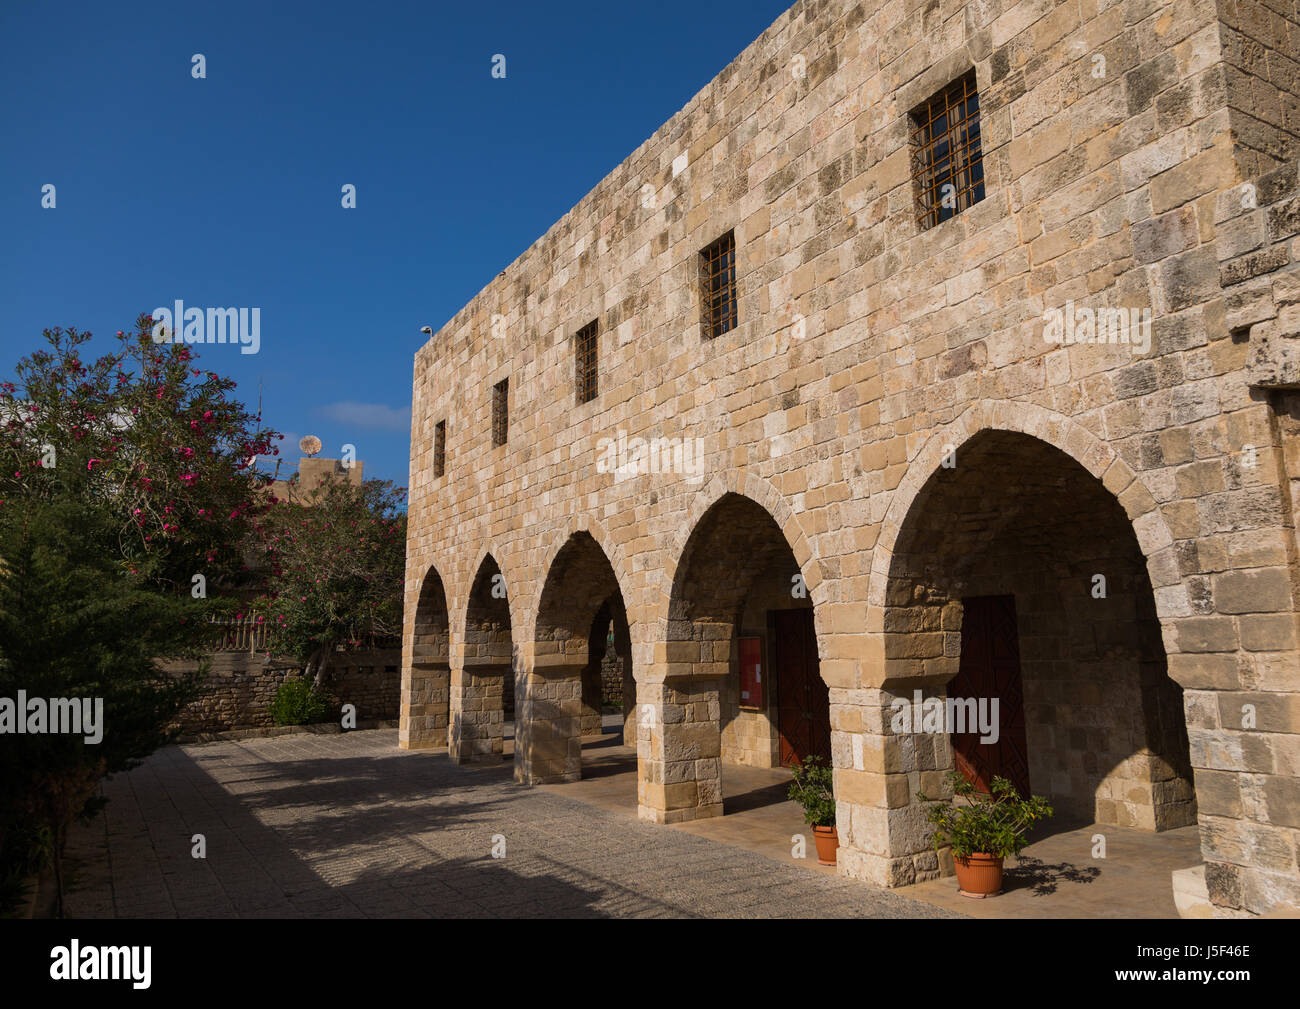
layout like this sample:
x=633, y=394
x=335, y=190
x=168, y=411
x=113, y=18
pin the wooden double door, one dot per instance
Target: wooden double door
x=803, y=710
x=990, y=668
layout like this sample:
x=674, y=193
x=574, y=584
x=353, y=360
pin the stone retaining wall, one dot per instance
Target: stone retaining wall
x=240, y=687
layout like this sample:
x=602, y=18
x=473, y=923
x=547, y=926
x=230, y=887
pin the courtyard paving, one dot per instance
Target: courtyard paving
x=1057, y=876
x=351, y=826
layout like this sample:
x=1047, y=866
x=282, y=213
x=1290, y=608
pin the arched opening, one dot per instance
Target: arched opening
x=1019, y=613
x=608, y=682
x=743, y=687
x=582, y=663
x=426, y=680
x=483, y=688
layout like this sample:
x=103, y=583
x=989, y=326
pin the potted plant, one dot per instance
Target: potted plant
x=813, y=789
x=983, y=828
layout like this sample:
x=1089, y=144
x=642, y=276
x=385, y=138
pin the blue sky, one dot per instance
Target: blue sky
x=226, y=191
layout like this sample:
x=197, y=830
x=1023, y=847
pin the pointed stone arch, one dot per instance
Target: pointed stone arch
x=560, y=691
x=1069, y=436
x=767, y=497
x=742, y=568
x=483, y=671
x=1012, y=511
x=426, y=670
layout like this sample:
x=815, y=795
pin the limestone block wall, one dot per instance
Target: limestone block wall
x=1117, y=140
x=239, y=689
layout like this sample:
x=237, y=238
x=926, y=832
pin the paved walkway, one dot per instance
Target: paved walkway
x=1057, y=876
x=351, y=826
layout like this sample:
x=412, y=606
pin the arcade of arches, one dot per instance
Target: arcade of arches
x=1015, y=577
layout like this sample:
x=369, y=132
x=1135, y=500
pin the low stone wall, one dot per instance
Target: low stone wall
x=240, y=687
x=611, y=680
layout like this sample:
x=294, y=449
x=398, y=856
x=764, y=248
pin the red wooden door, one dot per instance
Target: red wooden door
x=803, y=699
x=990, y=667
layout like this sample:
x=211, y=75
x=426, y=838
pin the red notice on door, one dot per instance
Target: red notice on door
x=751, y=673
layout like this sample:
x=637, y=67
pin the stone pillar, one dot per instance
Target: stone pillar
x=884, y=834
x=426, y=687
x=592, y=689
x=630, y=706
x=477, y=730
x=679, y=751
x=549, y=722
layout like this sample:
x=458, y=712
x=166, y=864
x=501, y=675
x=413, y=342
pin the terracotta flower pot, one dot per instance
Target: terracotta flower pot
x=979, y=875
x=828, y=841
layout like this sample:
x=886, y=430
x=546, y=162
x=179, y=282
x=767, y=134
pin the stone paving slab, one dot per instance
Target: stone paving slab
x=351, y=826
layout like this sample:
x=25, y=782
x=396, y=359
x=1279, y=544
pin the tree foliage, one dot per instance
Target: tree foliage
x=120, y=479
x=162, y=444
x=334, y=570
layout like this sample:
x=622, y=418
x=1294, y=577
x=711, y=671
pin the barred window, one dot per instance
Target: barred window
x=718, y=286
x=439, y=448
x=500, y=411
x=586, y=347
x=947, y=162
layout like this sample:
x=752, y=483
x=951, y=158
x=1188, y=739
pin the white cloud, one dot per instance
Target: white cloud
x=374, y=416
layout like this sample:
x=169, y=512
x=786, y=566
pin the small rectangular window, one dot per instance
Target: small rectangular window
x=500, y=411
x=439, y=448
x=718, y=286
x=947, y=162
x=586, y=349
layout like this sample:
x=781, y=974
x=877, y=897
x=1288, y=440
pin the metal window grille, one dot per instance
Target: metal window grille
x=947, y=161
x=440, y=448
x=718, y=285
x=500, y=411
x=586, y=348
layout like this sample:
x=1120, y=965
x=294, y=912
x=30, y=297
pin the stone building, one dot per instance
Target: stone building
x=935, y=350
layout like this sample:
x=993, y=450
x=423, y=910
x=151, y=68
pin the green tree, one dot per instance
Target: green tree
x=334, y=569
x=162, y=443
x=120, y=480
x=73, y=624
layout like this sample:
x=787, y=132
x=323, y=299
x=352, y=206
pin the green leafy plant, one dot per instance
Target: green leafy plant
x=334, y=571
x=813, y=788
x=122, y=479
x=298, y=702
x=988, y=823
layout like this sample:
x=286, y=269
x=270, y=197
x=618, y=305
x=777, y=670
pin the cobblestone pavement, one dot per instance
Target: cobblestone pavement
x=351, y=826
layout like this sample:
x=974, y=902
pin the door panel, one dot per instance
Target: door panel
x=990, y=667
x=803, y=699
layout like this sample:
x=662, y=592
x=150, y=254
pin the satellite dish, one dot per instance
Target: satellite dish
x=309, y=445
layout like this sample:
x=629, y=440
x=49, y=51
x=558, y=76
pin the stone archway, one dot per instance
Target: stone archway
x=426, y=682
x=1010, y=525
x=483, y=683
x=738, y=601
x=560, y=698
x=608, y=675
